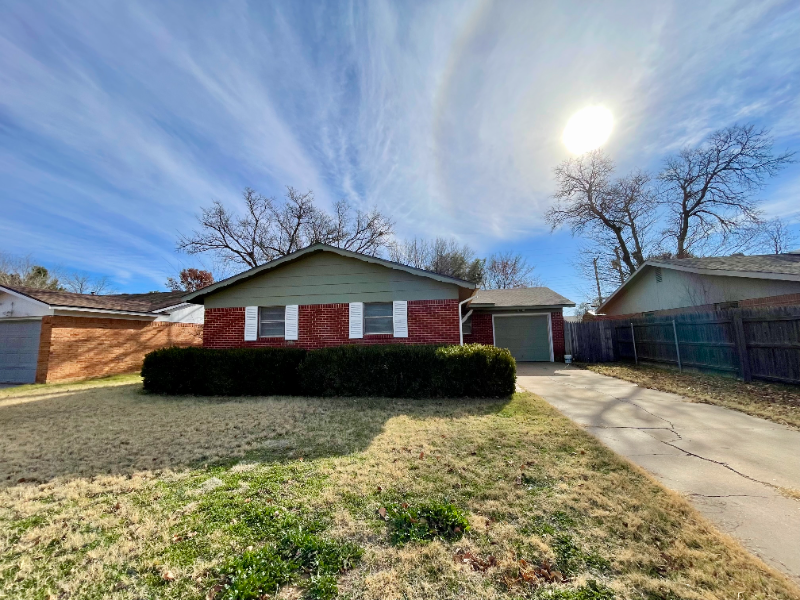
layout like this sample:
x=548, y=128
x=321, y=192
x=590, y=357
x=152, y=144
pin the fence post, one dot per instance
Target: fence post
x=741, y=347
x=633, y=339
x=677, y=347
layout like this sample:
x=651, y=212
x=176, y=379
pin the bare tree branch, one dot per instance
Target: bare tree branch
x=709, y=190
x=270, y=229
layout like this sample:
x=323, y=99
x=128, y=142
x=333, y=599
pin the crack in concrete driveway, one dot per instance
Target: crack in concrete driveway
x=729, y=465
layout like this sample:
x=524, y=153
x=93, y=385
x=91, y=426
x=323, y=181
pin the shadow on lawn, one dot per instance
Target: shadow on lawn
x=118, y=430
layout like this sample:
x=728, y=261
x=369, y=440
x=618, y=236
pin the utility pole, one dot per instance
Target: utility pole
x=597, y=280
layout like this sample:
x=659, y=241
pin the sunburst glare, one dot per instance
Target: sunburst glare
x=588, y=129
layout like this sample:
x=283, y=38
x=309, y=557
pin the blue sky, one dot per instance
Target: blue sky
x=118, y=121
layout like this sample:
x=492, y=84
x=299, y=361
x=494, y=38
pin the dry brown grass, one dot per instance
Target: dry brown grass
x=772, y=401
x=120, y=483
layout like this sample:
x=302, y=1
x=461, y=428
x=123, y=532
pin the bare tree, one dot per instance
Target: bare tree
x=708, y=190
x=618, y=215
x=777, y=237
x=443, y=256
x=270, y=228
x=190, y=280
x=509, y=270
x=81, y=283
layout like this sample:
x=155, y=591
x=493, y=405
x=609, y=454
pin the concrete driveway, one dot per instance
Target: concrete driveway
x=731, y=466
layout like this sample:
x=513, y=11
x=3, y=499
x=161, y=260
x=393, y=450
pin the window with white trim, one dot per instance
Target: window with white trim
x=272, y=321
x=378, y=318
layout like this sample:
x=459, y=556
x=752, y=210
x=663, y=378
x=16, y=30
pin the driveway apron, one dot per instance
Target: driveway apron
x=733, y=467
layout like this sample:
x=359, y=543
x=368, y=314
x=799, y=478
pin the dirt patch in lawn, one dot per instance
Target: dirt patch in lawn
x=771, y=401
x=204, y=486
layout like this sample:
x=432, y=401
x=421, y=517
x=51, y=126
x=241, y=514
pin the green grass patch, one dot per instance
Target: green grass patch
x=425, y=522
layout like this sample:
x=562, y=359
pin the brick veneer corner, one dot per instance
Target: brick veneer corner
x=326, y=325
x=482, y=330
x=557, y=331
x=72, y=348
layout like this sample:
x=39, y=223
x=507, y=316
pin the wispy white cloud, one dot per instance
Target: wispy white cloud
x=118, y=121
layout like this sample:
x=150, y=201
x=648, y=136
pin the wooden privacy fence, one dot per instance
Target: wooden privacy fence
x=751, y=343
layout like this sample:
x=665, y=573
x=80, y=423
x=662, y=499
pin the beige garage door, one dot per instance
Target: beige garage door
x=527, y=337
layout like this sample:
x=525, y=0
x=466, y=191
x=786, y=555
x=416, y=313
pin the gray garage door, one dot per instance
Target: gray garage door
x=528, y=338
x=19, y=349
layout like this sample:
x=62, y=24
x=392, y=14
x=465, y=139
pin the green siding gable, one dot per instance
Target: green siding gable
x=327, y=278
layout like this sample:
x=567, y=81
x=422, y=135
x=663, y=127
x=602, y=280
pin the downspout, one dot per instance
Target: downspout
x=460, y=322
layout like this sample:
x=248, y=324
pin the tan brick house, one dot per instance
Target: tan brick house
x=48, y=336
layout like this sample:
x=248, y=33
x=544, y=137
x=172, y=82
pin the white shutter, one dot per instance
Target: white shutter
x=356, y=319
x=291, y=320
x=250, y=323
x=400, y=318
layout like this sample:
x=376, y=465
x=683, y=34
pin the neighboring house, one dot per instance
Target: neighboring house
x=665, y=286
x=48, y=336
x=323, y=296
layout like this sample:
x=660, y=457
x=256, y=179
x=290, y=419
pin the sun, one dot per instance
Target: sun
x=588, y=129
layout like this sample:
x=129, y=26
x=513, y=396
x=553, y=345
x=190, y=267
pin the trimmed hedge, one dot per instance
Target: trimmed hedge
x=235, y=372
x=390, y=370
x=409, y=371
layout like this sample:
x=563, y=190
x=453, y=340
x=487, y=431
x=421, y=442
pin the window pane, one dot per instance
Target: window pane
x=466, y=326
x=273, y=313
x=378, y=325
x=272, y=329
x=378, y=309
x=272, y=321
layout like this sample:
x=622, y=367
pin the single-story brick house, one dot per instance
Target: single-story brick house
x=323, y=296
x=48, y=336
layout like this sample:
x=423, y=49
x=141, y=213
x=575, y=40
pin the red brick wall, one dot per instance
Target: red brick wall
x=482, y=330
x=323, y=325
x=72, y=348
x=557, y=328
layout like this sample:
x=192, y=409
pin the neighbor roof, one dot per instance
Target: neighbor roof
x=117, y=302
x=519, y=297
x=763, y=266
x=195, y=296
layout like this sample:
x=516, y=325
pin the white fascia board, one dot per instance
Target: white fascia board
x=104, y=311
x=22, y=296
x=173, y=307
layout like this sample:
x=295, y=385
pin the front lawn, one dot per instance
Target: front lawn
x=772, y=401
x=112, y=493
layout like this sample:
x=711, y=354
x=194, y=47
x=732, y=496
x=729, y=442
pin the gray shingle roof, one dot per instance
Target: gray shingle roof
x=125, y=302
x=534, y=296
x=788, y=264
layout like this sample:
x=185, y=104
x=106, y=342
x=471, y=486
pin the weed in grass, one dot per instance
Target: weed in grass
x=591, y=591
x=571, y=559
x=425, y=522
x=299, y=557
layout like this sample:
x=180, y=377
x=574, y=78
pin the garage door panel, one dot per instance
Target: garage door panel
x=19, y=351
x=526, y=337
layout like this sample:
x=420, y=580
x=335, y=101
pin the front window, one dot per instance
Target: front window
x=378, y=318
x=272, y=321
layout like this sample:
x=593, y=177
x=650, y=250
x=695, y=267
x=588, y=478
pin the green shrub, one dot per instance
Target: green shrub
x=409, y=371
x=425, y=522
x=234, y=372
x=390, y=370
